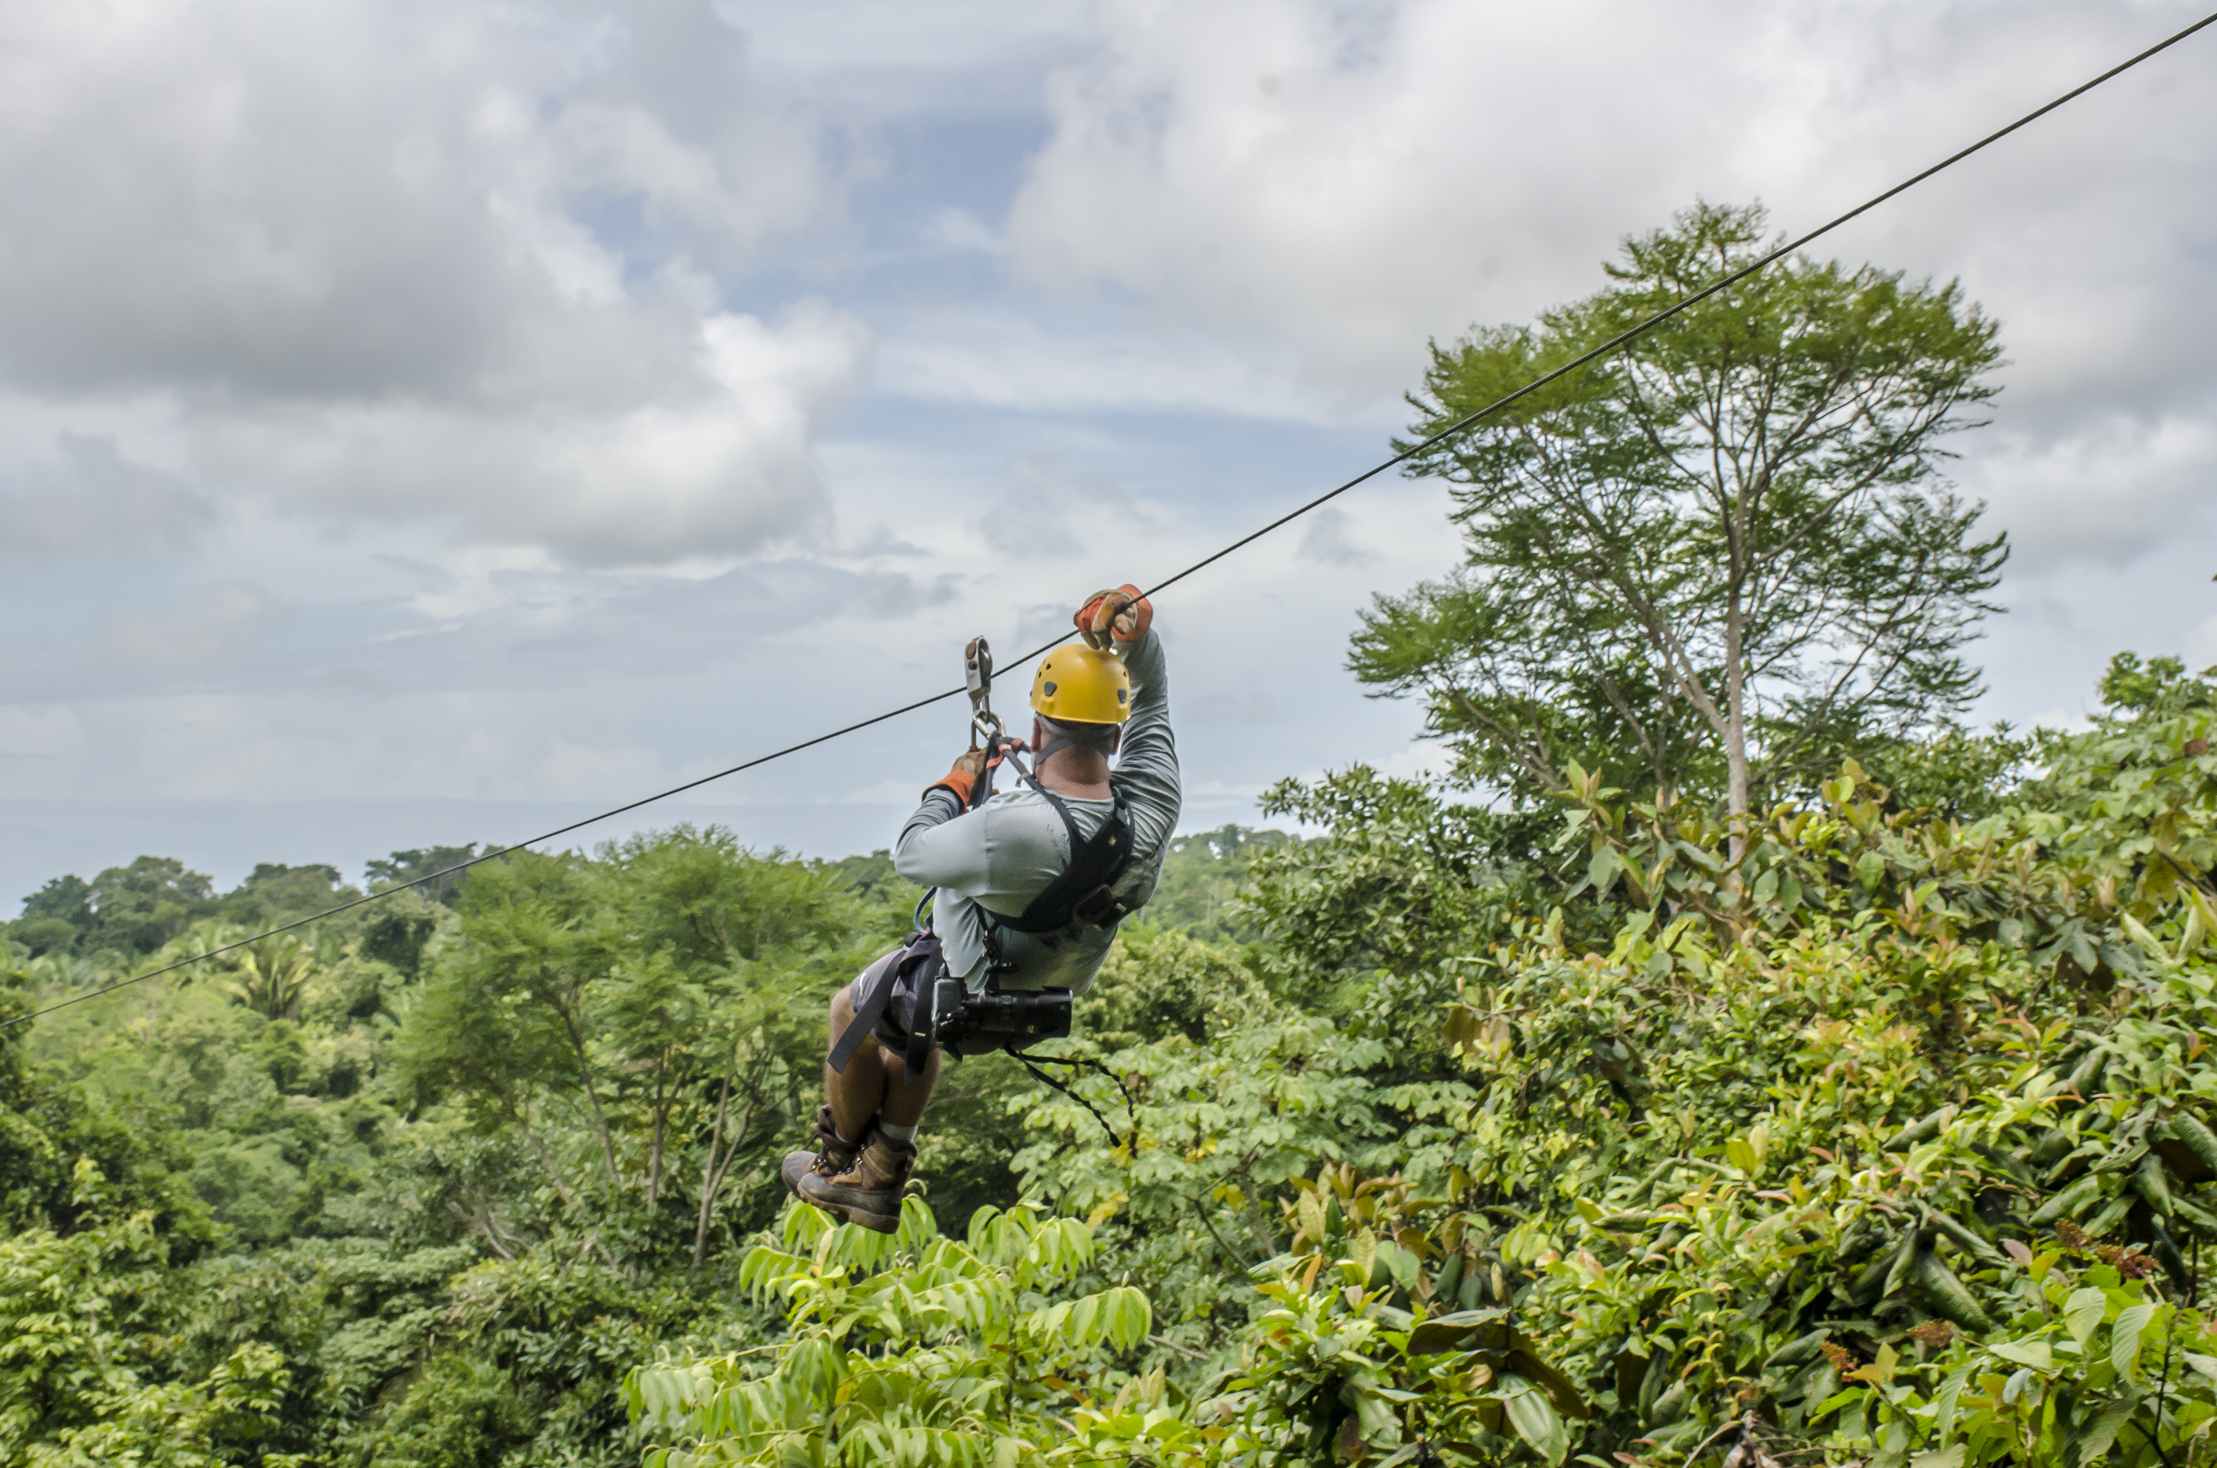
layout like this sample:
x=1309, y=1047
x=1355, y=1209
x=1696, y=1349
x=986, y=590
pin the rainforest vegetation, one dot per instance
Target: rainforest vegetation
x=1732, y=1061
x=1891, y=1138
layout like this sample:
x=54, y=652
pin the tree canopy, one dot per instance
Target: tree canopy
x=1888, y=1136
x=1721, y=557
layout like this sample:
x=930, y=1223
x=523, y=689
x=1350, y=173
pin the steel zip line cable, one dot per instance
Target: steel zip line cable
x=1459, y=426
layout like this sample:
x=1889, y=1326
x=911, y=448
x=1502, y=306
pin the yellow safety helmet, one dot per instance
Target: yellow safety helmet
x=1077, y=684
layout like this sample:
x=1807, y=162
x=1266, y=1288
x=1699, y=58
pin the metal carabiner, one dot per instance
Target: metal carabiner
x=977, y=676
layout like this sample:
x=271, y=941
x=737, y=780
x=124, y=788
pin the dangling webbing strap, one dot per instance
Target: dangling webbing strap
x=1032, y=1063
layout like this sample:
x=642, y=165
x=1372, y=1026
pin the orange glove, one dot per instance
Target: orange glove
x=963, y=777
x=1122, y=614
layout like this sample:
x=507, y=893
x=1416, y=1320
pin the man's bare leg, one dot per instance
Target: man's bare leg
x=857, y=1093
x=876, y=1083
x=873, y=1106
x=906, y=1093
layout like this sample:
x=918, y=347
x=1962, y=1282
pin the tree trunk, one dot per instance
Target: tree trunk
x=661, y=1127
x=712, y=1174
x=1735, y=734
x=546, y=1158
x=592, y=1096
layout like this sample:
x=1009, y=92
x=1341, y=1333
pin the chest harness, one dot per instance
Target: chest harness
x=1084, y=892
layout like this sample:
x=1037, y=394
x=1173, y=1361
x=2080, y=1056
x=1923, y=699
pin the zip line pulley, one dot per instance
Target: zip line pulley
x=977, y=677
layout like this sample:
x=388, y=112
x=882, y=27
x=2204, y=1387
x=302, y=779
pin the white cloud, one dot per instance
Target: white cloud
x=2202, y=645
x=959, y=231
x=35, y=733
x=1346, y=179
x=719, y=459
x=996, y=358
x=568, y=767
x=364, y=197
x=950, y=37
x=83, y=494
x=890, y=793
x=1319, y=187
x=1431, y=760
x=1211, y=801
x=380, y=260
x=2105, y=490
x=1331, y=538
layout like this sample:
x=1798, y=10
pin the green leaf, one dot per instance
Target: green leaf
x=1374, y=1414
x=1534, y=1418
x=2124, y=1339
x=1947, y=1457
x=1602, y=870
x=1461, y=1330
x=2030, y=1351
x=2083, y=1312
x=1524, y=1359
x=1741, y=1155
x=1084, y=1314
x=1400, y=1263
x=1945, y=1399
x=1836, y=1401
x=2102, y=1435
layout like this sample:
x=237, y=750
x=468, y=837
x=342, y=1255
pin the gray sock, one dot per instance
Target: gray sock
x=892, y=1133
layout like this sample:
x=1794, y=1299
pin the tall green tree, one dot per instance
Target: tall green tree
x=633, y=1023
x=54, y=916
x=418, y=862
x=277, y=893
x=1714, y=559
x=66, y=897
x=140, y=907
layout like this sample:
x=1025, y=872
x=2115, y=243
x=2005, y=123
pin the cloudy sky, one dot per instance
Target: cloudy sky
x=423, y=422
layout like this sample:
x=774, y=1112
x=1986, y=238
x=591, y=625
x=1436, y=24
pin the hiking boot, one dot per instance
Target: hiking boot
x=869, y=1192
x=833, y=1154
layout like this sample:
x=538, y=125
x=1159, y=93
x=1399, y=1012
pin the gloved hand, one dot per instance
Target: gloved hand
x=1121, y=614
x=969, y=767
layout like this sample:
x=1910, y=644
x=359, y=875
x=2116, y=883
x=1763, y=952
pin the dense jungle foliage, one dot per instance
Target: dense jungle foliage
x=1458, y=1141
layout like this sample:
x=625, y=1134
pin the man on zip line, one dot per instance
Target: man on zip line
x=1028, y=887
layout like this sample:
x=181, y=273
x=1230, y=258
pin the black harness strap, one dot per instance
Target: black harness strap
x=1082, y=892
x=878, y=984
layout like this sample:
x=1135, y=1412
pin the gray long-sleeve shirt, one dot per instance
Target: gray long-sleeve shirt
x=1000, y=856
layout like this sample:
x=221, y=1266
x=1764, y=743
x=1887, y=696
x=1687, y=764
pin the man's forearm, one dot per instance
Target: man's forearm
x=1147, y=769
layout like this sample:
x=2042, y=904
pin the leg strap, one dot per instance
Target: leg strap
x=872, y=993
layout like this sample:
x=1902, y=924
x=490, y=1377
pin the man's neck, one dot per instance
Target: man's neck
x=1078, y=773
